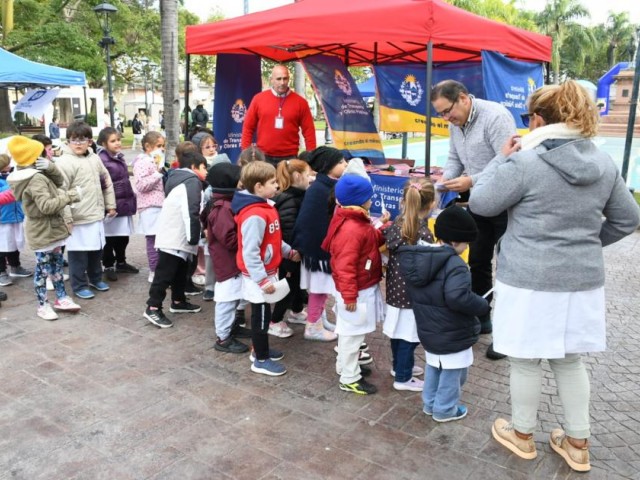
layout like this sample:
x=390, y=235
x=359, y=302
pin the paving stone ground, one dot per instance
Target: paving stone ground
x=106, y=395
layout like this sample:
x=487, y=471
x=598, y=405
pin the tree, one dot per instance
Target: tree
x=170, y=90
x=558, y=21
x=621, y=36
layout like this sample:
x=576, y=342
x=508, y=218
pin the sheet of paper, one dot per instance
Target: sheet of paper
x=282, y=290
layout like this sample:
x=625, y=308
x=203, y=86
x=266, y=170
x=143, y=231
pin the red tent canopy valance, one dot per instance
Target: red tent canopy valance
x=366, y=32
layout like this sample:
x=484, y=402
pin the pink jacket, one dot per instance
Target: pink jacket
x=147, y=182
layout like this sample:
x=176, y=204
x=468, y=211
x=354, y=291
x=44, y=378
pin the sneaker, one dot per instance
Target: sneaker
x=326, y=323
x=230, y=345
x=46, y=312
x=184, y=307
x=426, y=411
x=280, y=329
x=240, y=320
x=5, y=279
x=493, y=355
x=316, y=332
x=240, y=332
x=363, y=348
x=415, y=372
x=84, y=294
x=20, y=271
x=65, y=304
x=207, y=296
x=300, y=318
x=192, y=290
x=364, y=358
x=110, y=274
x=150, y=277
x=3, y=297
x=199, y=280
x=576, y=458
x=124, y=267
x=412, y=385
x=157, y=318
x=461, y=412
x=506, y=436
x=361, y=387
x=365, y=371
x=100, y=286
x=274, y=355
x=268, y=367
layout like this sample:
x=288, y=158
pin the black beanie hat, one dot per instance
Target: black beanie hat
x=455, y=224
x=323, y=159
x=224, y=177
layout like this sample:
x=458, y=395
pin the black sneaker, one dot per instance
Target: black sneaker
x=208, y=295
x=493, y=355
x=240, y=320
x=3, y=297
x=230, y=345
x=365, y=371
x=240, y=332
x=126, y=268
x=192, y=290
x=110, y=274
x=184, y=307
x=361, y=387
x=157, y=318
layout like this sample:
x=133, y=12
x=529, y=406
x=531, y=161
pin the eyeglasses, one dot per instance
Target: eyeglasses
x=525, y=117
x=447, y=112
x=78, y=141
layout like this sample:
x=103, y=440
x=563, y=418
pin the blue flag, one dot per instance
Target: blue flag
x=350, y=121
x=237, y=81
x=510, y=82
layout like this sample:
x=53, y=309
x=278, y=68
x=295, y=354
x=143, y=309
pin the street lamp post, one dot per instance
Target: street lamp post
x=103, y=12
x=145, y=65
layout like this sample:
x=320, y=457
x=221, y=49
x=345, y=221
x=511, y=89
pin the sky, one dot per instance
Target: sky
x=232, y=8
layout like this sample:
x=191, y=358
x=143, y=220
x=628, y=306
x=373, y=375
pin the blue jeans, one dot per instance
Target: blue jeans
x=402, y=352
x=441, y=392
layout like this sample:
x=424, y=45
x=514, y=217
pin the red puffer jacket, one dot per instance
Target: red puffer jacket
x=355, y=256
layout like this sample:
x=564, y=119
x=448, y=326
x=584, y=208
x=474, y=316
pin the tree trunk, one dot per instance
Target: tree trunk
x=6, y=121
x=170, y=89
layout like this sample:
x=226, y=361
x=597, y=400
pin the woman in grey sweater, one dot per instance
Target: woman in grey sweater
x=565, y=200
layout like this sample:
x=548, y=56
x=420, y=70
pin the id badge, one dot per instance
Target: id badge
x=279, y=122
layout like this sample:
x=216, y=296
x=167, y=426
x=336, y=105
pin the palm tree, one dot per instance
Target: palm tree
x=6, y=122
x=170, y=91
x=620, y=33
x=558, y=21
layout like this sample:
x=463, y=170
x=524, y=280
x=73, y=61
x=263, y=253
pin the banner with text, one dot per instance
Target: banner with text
x=238, y=79
x=403, y=94
x=350, y=121
x=510, y=82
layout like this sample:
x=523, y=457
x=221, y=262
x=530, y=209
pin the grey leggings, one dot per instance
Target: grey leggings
x=573, y=389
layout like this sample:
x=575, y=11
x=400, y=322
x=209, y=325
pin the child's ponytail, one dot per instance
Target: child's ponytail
x=418, y=195
x=285, y=171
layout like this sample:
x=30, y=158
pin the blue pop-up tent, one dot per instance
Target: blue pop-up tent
x=17, y=72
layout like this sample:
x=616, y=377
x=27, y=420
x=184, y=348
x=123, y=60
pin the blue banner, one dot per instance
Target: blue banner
x=350, y=121
x=238, y=79
x=510, y=82
x=403, y=94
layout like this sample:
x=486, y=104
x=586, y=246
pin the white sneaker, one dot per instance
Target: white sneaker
x=412, y=385
x=299, y=318
x=280, y=329
x=150, y=277
x=326, y=323
x=46, y=312
x=316, y=332
x=199, y=280
x=65, y=304
x=416, y=372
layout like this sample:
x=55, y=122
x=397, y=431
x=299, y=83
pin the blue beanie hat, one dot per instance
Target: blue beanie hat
x=353, y=190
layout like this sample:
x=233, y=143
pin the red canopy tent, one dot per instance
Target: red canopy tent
x=366, y=32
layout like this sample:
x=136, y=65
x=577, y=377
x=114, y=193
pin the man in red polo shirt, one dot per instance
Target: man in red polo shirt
x=275, y=117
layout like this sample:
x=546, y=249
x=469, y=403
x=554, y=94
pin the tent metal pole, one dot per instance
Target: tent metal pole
x=427, y=144
x=186, y=95
x=86, y=103
x=632, y=113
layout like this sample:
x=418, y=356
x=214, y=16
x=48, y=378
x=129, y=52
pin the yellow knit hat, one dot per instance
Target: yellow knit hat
x=24, y=150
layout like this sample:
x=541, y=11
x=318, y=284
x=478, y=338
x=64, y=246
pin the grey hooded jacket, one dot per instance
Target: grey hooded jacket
x=566, y=200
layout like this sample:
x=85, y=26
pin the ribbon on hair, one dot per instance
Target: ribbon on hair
x=415, y=185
